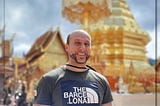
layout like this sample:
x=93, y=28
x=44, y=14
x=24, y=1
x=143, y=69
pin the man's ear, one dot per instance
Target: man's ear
x=66, y=47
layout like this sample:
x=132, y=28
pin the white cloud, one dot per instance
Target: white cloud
x=14, y=16
x=21, y=48
x=21, y=35
x=151, y=47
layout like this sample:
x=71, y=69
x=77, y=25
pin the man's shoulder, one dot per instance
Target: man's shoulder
x=94, y=73
x=92, y=70
x=54, y=72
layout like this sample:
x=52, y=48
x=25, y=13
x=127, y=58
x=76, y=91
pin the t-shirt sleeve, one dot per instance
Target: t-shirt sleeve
x=107, y=94
x=44, y=94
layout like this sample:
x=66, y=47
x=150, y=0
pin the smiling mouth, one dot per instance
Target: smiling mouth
x=82, y=56
x=79, y=58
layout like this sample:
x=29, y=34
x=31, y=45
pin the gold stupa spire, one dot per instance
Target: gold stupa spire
x=121, y=16
x=117, y=40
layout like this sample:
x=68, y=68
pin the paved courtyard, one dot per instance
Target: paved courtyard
x=149, y=99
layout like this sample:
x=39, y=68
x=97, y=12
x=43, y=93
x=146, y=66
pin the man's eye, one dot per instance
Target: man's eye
x=77, y=43
x=86, y=44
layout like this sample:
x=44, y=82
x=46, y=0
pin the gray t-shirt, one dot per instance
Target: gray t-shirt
x=63, y=87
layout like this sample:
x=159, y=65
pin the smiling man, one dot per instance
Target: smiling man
x=74, y=84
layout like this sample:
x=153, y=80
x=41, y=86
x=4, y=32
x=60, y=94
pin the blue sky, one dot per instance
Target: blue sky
x=31, y=18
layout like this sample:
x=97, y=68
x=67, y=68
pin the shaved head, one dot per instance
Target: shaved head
x=75, y=32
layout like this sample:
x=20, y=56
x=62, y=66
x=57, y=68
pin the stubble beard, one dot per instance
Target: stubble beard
x=73, y=56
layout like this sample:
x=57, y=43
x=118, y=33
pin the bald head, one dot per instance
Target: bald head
x=78, y=33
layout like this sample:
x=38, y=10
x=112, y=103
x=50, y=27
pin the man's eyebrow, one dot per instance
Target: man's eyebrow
x=80, y=40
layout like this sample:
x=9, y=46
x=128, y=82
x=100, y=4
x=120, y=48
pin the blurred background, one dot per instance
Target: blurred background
x=124, y=46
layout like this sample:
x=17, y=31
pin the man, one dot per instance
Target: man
x=74, y=84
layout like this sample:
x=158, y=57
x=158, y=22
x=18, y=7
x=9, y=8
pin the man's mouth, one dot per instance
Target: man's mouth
x=81, y=56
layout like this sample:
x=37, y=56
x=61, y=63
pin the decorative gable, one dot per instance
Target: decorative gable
x=48, y=51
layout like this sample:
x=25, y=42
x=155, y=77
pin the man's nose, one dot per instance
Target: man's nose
x=82, y=46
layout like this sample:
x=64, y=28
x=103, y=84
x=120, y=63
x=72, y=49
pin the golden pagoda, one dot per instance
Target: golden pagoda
x=117, y=38
x=121, y=39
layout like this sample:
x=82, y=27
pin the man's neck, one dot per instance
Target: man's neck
x=76, y=68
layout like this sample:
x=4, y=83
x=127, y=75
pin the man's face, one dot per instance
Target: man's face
x=78, y=48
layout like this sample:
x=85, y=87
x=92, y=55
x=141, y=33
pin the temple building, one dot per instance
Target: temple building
x=6, y=61
x=46, y=53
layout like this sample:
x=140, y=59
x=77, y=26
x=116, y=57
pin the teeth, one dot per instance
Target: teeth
x=81, y=54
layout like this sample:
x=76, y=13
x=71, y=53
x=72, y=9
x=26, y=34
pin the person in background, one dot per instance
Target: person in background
x=74, y=84
x=21, y=101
